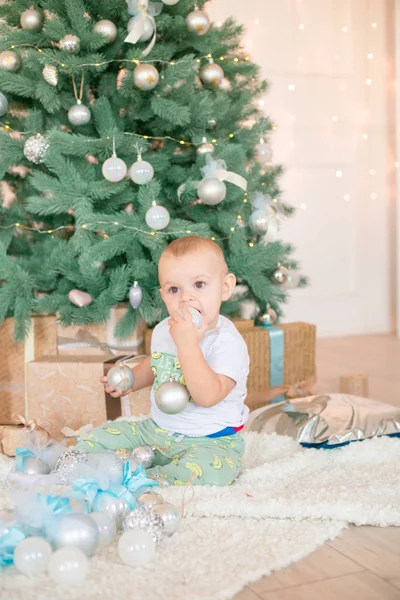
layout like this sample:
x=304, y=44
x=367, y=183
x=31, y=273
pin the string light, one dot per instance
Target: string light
x=371, y=171
x=368, y=81
x=339, y=173
x=345, y=29
x=346, y=197
x=370, y=56
x=364, y=136
x=301, y=27
x=291, y=87
x=396, y=164
x=334, y=118
x=374, y=196
x=374, y=25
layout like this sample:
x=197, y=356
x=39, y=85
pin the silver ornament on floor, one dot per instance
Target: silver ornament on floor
x=50, y=74
x=115, y=507
x=150, y=499
x=198, y=22
x=267, y=318
x=157, y=217
x=3, y=104
x=145, y=77
x=70, y=43
x=80, y=298
x=143, y=518
x=35, y=148
x=211, y=191
x=135, y=295
x=108, y=29
x=114, y=169
x=144, y=455
x=32, y=20
x=107, y=463
x=148, y=28
x=74, y=530
x=79, y=114
x=280, y=275
x=171, y=397
x=9, y=61
x=211, y=74
x=121, y=378
x=263, y=152
x=67, y=465
x=141, y=172
x=35, y=466
x=170, y=515
x=205, y=148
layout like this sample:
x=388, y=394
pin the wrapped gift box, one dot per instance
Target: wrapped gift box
x=20, y=436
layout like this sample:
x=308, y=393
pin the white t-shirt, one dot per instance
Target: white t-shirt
x=225, y=351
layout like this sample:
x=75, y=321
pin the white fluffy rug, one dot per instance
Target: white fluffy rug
x=285, y=504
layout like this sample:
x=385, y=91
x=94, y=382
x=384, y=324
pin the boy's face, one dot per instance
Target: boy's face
x=198, y=280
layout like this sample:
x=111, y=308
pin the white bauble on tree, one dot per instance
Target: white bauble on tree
x=205, y=147
x=32, y=20
x=108, y=29
x=114, y=169
x=292, y=281
x=145, y=77
x=157, y=217
x=170, y=2
x=3, y=104
x=198, y=22
x=211, y=191
x=141, y=172
x=148, y=28
x=80, y=298
x=70, y=43
x=259, y=221
x=263, y=152
x=79, y=114
x=35, y=148
x=268, y=318
x=280, y=275
x=211, y=74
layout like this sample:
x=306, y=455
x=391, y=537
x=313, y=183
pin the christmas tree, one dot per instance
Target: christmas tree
x=123, y=126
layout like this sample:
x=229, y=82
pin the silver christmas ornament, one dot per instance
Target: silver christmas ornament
x=35, y=148
x=170, y=2
x=259, y=220
x=35, y=466
x=141, y=172
x=211, y=74
x=145, y=77
x=114, y=169
x=150, y=499
x=143, y=455
x=74, y=530
x=80, y=298
x=171, y=397
x=142, y=518
x=148, y=29
x=198, y=22
x=31, y=20
x=292, y=282
x=79, y=114
x=135, y=295
x=67, y=465
x=115, y=507
x=9, y=61
x=263, y=153
x=280, y=275
x=50, y=74
x=70, y=43
x=211, y=191
x=268, y=318
x=211, y=122
x=3, y=104
x=205, y=148
x=108, y=29
x=170, y=515
x=121, y=378
x=109, y=464
x=157, y=217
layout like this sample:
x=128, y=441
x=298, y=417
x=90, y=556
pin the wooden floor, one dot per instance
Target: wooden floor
x=363, y=562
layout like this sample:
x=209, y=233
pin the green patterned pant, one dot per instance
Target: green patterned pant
x=202, y=460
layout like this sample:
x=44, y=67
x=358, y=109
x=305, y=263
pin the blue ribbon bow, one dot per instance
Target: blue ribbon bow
x=136, y=480
x=21, y=454
x=8, y=543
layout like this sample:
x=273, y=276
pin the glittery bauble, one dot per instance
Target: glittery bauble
x=170, y=2
x=263, y=153
x=171, y=397
x=50, y=74
x=145, y=77
x=35, y=466
x=3, y=104
x=9, y=61
x=141, y=172
x=80, y=298
x=106, y=527
x=107, y=29
x=170, y=515
x=211, y=74
x=143, y=518
x=31, y=20
x=79, y=114
x=67, y=464
x=150, y=499
x=259, y=220
x=211, y=191
x=136, y=547
x=198, y=22
x=70, y=43
x=143, y=455
x=135, y=295
x=74, y=530
x=115, y=507
x=205, y=148
x=280, y=275
x=114, y=169
x=268, y=318
x=109, y=464
x=157, y=217
x=121, y=378
x=292, y=282
x=148, y=28
x=35, y=148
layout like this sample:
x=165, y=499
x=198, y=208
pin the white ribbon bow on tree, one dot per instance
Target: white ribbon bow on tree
x=142, y=10
x=217, y=168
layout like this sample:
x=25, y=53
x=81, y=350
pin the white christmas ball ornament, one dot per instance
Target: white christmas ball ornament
x=31, y=20
x=171, y=397
x=9, y=61
x=114, y=169
x=80, y=298
x=198, y=22
x=170, y=2
x=259, y=221
x=79, y=114
x=74, y=530
x=212, y=191
x=141, y=172
x=35, y=148
x=70, y=43
x=157, y=217
x=263, y=153
x=68, y=566
x=136, y=547
x=107, y=29
x=145, y=77
x=3, y=104
x=106, y=526
x=211, y=74
x=143, y=455
x=121, y=378
x=170, y=516
x=32, y=555
x=148, y=29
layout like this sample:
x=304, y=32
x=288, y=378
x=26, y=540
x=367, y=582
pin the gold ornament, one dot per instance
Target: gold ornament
x=70, y=43
x=9, y=61
x=211, y=74
x=145, y=77
x=32, y=20
x=50, y=74
x=198, y=22
x=205, y=148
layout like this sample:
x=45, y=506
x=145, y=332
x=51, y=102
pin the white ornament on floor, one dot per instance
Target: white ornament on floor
x=68, y=566
x=136, y=547
x=32, y=555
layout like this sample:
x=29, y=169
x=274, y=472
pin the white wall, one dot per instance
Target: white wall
x=344, y=229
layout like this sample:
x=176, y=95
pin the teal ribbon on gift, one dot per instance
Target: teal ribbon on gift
x=21, y=454
x=137, y=480
x=276, y=353
x=8, y=543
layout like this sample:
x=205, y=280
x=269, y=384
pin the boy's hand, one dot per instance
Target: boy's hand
x=112, y=391
x=182, y=329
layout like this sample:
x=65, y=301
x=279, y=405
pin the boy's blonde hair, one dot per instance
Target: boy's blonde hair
x=192, y=244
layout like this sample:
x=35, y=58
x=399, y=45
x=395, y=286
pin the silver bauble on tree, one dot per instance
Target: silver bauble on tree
x=157, y=217
x=35, y=148
x=79, y=114
x=292, y=282
x=32, y=20
x=9, y=61
x=259, y=221
x=198, y=22
x=280, y=275
x=135, y=295
x=121, y=378
x=263, y=152
x=3, y=104
x=143, y=455
x=211, y=74
x=50, y=74
x=70, y=43
x=148, y=28
x=171, y=397
x=211, y=191
x=107, y=29
x=114, y=169
x=141, y=172
x=205, y=147
x=145, y=77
